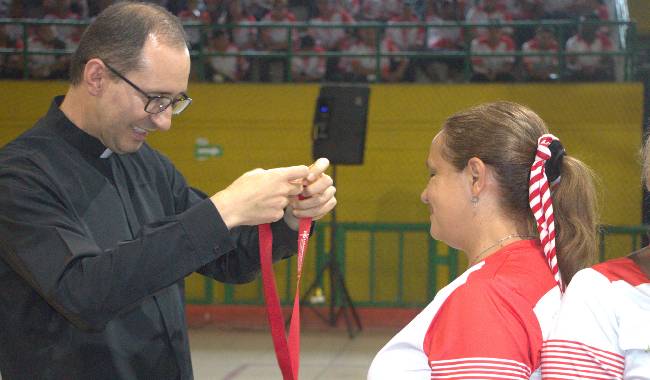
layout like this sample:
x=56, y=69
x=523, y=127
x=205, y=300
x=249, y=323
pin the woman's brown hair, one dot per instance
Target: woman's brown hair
x=504, y=136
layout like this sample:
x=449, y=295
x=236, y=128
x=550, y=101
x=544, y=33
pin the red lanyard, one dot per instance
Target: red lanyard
x=288, y=355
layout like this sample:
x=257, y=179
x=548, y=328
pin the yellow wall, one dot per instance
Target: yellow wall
x=640, y=12
x=268, y=126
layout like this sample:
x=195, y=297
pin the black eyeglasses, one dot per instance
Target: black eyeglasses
x=158, y=103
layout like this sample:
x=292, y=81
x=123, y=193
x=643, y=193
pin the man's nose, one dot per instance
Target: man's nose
x=163, y=120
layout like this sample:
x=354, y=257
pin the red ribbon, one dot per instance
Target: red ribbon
x=287, y=354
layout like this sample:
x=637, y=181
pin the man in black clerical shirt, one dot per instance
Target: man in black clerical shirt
x=98, y=230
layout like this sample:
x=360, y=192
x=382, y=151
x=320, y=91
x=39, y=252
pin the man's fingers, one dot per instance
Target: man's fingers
x=318, y=168
x=315, y=200
x=316, y=212
x=253, y=172
x=318, y=186
x=294, y=189
x=292, y=173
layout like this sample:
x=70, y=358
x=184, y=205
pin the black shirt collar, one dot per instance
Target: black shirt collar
x=88, y=145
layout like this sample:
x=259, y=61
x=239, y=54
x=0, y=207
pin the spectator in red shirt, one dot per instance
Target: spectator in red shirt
x=541, y=68
x=11, y=65
x=224, y=68
x=244, y=37
x=589, y=67
x=406, y=39
x=276, y=39
x=61, y=10
x=47, y=66
x=497, y=68
x=308, y=68
x=488, y=11
x=409, y=39
x=599, y=9
x=193, y=12
x=352, y=7
x=364, y=69
x=380, y=10
x=217, y=10
x=243, y=34
x=332, y=39
x=443, y=39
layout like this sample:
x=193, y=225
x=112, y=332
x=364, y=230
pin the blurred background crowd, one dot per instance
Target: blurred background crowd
x=338, y=40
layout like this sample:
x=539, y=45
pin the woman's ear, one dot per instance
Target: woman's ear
x=477, y=174
x=94, y=76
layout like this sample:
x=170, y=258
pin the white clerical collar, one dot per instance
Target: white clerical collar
x=107, y=153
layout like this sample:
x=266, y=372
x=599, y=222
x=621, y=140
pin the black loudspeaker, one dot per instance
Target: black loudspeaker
x=340, y=120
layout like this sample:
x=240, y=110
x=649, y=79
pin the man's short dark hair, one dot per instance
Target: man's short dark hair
x=119, y=33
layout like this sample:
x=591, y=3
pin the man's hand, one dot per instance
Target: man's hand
x=318, y=193
x=260, y=196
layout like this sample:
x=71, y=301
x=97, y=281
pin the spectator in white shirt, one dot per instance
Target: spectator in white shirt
x=493, y=68
x=47, y=66
x=276, y=39
x=229, y=68
x=308, y=68
x=541, y=68
x=488, y=11
x=330, y=38
x=365, y=68
x=443, y=39
x=589, y=67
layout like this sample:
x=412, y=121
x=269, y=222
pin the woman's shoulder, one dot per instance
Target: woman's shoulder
x=622, y=269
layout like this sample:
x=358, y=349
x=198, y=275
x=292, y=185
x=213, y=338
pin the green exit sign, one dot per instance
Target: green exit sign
x=204, y=150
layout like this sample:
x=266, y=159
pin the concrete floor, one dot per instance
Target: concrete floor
x=219, y=354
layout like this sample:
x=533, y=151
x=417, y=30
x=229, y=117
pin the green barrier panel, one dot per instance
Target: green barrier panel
x=389, y=288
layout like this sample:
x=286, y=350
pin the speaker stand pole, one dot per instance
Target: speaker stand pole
x=337, y=284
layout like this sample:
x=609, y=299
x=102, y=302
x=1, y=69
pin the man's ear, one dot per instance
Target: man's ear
x=477, y=174
x=95, y=76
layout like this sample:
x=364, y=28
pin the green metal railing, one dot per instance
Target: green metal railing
x=626, y=36
x=627, y=239
x=437, y=264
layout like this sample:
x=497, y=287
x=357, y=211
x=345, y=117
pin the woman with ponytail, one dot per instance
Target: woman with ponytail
x=505, y=192
x=603, y=328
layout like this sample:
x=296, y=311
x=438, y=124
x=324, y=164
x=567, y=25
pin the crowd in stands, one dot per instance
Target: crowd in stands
x=230, y=32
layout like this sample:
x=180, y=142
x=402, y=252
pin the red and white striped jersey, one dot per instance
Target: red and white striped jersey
x=313, y=66
x=577, y=44
x=443, y=37
x=533, y=63
x=405, y=38
x=478, y=15
x=387, y=46
x=330, y=38
x=497, y=64
x=603, y=328
x=489, y=323
x=280, y=34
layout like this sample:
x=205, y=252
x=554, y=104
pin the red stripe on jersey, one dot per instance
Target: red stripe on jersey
x=558, y=372
x=570, y=343
x=563, y=359
x=575, y=376
x=624, y=269
x=486, y=368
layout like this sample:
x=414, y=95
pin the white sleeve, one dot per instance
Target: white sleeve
x=637, y=364
x=634, y=333
x=585, y=338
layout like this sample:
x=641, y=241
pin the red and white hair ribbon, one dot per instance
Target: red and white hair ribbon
x=539, y=197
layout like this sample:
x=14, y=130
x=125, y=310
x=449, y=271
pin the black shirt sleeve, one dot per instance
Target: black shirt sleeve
x=53, y=253
x=237, y=260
